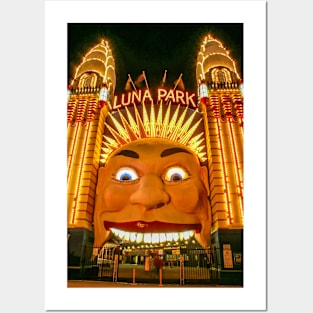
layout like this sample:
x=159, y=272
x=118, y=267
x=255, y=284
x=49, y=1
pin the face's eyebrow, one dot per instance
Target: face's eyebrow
x=128, y=153
x=171, y=151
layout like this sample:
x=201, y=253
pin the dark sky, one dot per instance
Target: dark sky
x=153, y=48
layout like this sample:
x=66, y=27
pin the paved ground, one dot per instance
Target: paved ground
x=108, y=284
x=103, y=284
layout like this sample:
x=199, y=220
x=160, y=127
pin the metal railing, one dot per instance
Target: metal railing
x=191, y=266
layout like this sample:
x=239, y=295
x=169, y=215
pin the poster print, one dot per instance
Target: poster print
x=155, y=168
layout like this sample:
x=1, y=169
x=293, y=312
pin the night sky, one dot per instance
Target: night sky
x=153, y=48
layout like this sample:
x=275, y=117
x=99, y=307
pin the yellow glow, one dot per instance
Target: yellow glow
x=152, y=238
x=107, y=61
x=225, y=172
x=130, y=128
x=75, y=173
x=203, y=54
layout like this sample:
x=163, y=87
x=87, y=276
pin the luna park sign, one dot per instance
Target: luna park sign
x=144, y=96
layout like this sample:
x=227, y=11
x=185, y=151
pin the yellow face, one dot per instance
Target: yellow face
x=152, y=186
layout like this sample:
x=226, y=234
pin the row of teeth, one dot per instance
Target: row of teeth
x=152, y=237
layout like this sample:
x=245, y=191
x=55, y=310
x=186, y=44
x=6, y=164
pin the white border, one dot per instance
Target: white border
x=253, y=295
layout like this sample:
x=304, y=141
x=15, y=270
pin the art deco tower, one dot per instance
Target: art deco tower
x=94, y=79
x=220, y=92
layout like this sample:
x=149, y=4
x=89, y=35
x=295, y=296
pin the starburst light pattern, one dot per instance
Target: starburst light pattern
x=179, y=124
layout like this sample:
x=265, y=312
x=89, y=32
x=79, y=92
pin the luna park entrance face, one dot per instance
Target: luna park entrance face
x=162, y=265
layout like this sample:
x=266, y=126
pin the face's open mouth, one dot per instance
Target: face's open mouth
x=152, y=232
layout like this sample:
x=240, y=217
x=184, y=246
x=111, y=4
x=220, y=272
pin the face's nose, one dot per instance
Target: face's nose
x=150, y=193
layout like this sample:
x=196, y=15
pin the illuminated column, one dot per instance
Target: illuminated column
x=84, y=153
x=223, y=116
x=236, y=137
x=239, y=138
x=222, y=105
x=88, y=100
x=231, y=174
x=218, y=196
x=83, y=163
x=72, y=132
x=224, y=136
x=76, y=142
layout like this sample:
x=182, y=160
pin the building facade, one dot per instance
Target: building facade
x=209, y=122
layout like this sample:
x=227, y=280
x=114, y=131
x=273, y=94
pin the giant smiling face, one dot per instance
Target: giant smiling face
x=152, y=186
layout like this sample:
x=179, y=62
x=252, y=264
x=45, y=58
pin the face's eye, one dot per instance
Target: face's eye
x=125, y=174
x=175, y=174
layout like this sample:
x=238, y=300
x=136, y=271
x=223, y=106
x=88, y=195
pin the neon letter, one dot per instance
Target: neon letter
x=147, y=95
x=170, y=95
x=180, y=96
x=161, y=94
x=128, y=99
x=115, y=106
x=189, y=98
x=137, y=96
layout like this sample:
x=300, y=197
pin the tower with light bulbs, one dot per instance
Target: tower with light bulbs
x=221, y=101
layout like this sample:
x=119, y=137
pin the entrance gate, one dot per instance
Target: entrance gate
x=181, y=265
x=198, y=266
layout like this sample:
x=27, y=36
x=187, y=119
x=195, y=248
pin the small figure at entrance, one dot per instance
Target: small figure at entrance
x=158, y=263
x=147, y=263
